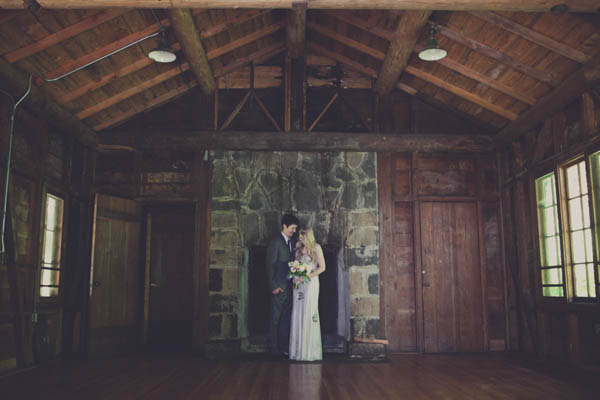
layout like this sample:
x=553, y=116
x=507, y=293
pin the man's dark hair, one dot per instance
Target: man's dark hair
x=289, y=219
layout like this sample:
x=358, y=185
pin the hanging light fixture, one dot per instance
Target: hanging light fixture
x=432, y=52
x=163, y=53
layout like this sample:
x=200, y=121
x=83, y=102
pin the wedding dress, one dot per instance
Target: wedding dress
x=305, y=332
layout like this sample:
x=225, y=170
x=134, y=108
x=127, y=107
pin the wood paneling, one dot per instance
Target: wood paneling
x=452, y=293
x=115, y=295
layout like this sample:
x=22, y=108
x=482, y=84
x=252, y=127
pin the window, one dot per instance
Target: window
x=51, y=246
x=567, y=221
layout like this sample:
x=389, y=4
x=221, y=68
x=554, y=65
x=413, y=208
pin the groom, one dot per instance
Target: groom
x=279, y=252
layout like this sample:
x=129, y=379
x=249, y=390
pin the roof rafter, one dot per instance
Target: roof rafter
x=219, y=51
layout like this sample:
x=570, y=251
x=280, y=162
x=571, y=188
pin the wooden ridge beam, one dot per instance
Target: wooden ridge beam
x=39, y=102
x=63, y=34
x=577, y=83
x=460, y=92
x=96, y=108
x=401, y=45
x=484, y=79
x=296, y=29
x=450, y=5
x=497, y=55
x=185, y=29
x=532, y=36
x=304, y=141
x=163, y=98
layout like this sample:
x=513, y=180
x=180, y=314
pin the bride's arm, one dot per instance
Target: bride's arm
x=320, y=263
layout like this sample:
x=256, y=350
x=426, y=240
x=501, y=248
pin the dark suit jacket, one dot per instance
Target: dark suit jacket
x=278, y=257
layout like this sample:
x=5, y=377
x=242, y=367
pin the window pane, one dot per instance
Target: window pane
x=582, y=178
x=50, y=255
x=591, y=286
x=549, y=227
x=573, y=181
x=49, y=277
x=551, y=252
x=589, y=249
x=552, y=291
x=582, y=285
x=577, y=247
x=48, y=291
x=552, y=276
x=585, y=203
x=575, y=214
x=53, y=212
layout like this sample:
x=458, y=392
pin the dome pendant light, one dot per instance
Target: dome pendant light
x=432, y=52
x=163, y=53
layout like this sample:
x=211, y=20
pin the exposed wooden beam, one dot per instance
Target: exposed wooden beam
x=401, y=45
x=265, y=110
x=296, y=29
x=244, y=40
x=460, y=92
x=362, y=23
x=451, y=5
x=532, y=36
x=8, y=15
x=486, y=80
x=303, y=141
x=102, y=51
x=103, y=105
x=63, y=34
x=230, y=23
x=497, y=55
x=170, y=95
x=363, y=48
x=108, y=78
x=323, y=112
x=342, y=59
x=38, y=102
x=184, y=27
x=572, y=87
x=236, y=111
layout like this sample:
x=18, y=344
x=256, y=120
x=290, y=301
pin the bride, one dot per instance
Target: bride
x=305, y=331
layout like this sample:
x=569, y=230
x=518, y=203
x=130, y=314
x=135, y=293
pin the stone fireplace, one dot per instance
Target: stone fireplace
x=335, y=193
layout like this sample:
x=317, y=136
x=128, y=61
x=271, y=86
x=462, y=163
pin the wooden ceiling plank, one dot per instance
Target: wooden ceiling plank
x=401, y=46
x=38, y=102
x=577, y=83
x=532, y=36
x=486, y=80
x=185, y=29
x=496, y=55
x=108, y=78
x=363, y=48
x=342, y=59
x=460, y=92
x=219, y=51
x=263, y=53
x=96, y=108
x=304, y=141
x=230, y=23
x=153, y=103
x=362, y=23
x=449, y=5
x=102, y=51
x=64, y=34
x=296, y=29
x=9, y=15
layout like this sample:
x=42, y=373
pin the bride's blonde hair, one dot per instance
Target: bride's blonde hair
x=309, y=241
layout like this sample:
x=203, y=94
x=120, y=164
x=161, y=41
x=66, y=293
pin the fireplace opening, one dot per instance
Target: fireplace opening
x=333, y=300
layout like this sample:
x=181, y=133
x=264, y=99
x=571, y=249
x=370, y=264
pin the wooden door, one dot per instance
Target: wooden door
x=116, y=277
x=452, y=296
x=170, y=278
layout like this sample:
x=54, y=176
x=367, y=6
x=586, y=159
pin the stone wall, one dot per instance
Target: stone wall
x=335, y=193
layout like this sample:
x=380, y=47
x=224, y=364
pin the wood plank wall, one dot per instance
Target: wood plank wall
x=554, y=330
x=405, y=182
x=43, y=161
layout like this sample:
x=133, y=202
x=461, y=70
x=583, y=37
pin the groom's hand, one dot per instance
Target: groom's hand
x=277, y=291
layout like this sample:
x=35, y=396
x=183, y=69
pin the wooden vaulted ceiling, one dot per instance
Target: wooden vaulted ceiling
x=500, y=66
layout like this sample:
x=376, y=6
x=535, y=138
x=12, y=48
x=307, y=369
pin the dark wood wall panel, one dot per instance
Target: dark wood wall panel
x=445, y=176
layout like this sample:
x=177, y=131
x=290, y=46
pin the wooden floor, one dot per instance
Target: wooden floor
x=473, y=376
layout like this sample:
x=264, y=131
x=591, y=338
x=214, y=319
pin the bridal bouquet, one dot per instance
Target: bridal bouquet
x=298, y=269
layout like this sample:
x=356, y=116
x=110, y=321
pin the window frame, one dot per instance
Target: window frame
x=559, y=168
x=50, y=300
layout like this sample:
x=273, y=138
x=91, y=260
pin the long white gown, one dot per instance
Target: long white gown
x=305, y=331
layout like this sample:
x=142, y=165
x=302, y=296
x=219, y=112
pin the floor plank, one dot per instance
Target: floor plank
x=405, y=376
